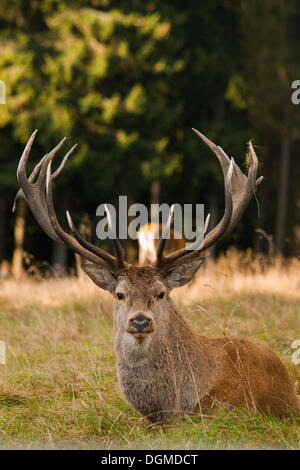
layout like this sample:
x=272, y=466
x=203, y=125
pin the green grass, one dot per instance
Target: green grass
x=59, y=388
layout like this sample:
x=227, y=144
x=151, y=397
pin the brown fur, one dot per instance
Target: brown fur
x=173, y=371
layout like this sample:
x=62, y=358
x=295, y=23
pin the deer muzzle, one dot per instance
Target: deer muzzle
x=140, y=324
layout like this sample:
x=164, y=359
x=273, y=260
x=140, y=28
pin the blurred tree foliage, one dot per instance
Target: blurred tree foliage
x=128, y=79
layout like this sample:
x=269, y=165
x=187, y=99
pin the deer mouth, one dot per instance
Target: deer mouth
x=140, y=335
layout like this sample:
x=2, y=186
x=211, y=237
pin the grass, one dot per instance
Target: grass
x=59, y=388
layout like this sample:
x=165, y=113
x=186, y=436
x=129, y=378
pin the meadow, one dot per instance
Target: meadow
x=59, y=388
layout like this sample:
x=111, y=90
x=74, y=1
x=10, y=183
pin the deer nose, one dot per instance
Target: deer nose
x=140, y=322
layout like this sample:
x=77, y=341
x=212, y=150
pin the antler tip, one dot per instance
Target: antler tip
x=31, y=139
x=48, y=172
x=230, y=169
x=251, y=148
x=207, y=142
x=70, y=221
x=197, y=132
x=206, y=223
x=259, y=180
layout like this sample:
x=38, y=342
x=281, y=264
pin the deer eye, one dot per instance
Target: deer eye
x=161, y=295
x=120, y=296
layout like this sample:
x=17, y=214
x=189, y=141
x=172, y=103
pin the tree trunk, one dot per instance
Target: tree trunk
x=283, y=191
x=5, y=265
x=155, y=196
x=85, y=230
x=2, y=227
x=19, y=235
x=265, y=194
x=59, y=259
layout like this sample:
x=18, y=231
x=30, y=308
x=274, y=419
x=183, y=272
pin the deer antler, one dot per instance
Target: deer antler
x=38, y=196
x=239, y=189
x=238, y=192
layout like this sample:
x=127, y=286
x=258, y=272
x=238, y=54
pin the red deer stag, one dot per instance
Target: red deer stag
x=164, y=368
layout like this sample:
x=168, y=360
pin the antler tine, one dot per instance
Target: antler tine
x=34, y=193
x=258, y=181
x=20, y=194
x=67, y=239
x=49, y=157
x=94, y=249
x=38, y=196
x=224, y=160
x=116, y=243
x=206, y=224
x=242, y=186
x=239, y=189
x=195, y=248
x=37, y=168
x=21, y=172
x=41, y=181
x=63, y=162
x=165, y=234
x=215, y=234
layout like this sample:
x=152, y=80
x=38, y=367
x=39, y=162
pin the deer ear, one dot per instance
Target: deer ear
x=183, y=272
x=102, y=275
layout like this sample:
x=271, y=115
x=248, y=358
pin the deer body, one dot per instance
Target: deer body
x=177, y=371
x=164, y=368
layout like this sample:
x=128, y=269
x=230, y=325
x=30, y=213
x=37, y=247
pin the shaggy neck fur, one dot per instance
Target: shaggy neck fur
x=164, y=374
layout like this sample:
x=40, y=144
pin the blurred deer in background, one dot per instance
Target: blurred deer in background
x=148, y=241
x=164, y=368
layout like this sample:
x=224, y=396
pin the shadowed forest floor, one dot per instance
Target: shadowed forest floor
x=59, y=388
